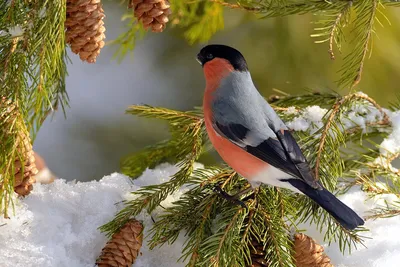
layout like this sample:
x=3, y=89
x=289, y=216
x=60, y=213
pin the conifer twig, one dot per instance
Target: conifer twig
x=217, y=234
x=13, y=47
x=383, y=214
x=335, y=26
x=215, y=259
x=205, y=217
x=235, y=6
x=332, y=35
x=357, y=78
x=335, y=109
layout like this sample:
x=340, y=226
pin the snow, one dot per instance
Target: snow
x=361, y=115
x=16, y=31
x=56, y=225
x=391, y=144
x=291, y=110
x=310, y=119
x=382, y=243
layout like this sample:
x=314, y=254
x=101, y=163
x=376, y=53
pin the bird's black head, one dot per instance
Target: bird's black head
x=234, y=57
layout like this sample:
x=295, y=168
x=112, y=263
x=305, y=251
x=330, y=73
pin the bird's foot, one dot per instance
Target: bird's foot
x=235, y=198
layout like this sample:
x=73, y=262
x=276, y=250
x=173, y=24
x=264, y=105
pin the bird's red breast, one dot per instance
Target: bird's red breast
x=215, y=70
x=244, y=163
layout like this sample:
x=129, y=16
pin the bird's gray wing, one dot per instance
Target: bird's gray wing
x=252, y=131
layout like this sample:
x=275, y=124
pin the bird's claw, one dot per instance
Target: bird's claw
x=228, y=197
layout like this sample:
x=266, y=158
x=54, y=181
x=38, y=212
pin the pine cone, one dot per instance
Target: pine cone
x=85, y=30
x=123, y=248
x=152, y=13
x=308, y=253
x=24, y=171
x=257, y=254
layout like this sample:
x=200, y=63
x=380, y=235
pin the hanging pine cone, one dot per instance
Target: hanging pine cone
x=257, y=254
x=151, y=13
x=85, y=28
x=123, y=248
x=26, y=170
x=308, y=253
x=25, y=176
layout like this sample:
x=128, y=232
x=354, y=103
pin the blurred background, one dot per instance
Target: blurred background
x=89, y=143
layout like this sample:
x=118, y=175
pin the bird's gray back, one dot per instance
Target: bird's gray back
x=238, y=101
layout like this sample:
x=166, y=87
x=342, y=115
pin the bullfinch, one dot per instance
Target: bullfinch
x=251, y=138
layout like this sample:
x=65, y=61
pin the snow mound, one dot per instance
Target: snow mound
x=57, y=225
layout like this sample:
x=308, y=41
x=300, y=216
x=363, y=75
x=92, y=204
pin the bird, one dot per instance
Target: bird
x=250, y=136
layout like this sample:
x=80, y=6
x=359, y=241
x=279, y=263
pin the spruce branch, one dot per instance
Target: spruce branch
x=236, y=6
x=149, y=197
x=385, y=211
x=363, y=29
x=331, y=29
x=221, y=234
x=135, y=164
x=188, y=127
x=194, y=244
x=308, y=211
x=275, y=237
x=126, y=41
x=329, y=124
x=203, y=27
x=225, y=242
x=32, y=69
x=202, y=19
x=164, y=114
x=12, y=133
x=298, y=7
x=324, y=99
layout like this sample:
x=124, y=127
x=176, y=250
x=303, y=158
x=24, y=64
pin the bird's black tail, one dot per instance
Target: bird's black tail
x=343, y=214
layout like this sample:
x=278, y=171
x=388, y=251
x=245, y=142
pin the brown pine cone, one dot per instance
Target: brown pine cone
x=26, y=170
x=308, y=253
x=151, y=13
x=85, y=28
x=257, y=254
x=25, y=176
x=123, y=248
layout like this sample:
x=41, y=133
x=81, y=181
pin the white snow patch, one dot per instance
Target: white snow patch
x=310, y=119
x=16, y=31
x=290, y=110
x=391, y=144
x=56, y=225
x=382, y=242
x=361, y=115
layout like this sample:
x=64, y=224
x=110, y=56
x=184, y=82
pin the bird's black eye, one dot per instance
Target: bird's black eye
x=209, y=56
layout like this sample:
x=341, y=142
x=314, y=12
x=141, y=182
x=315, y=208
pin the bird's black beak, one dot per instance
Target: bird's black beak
x=200, y=59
